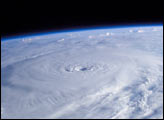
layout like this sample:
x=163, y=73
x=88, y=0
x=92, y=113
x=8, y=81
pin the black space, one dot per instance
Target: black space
x=25, y=17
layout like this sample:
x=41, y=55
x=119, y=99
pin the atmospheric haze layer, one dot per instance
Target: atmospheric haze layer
x=98, y=73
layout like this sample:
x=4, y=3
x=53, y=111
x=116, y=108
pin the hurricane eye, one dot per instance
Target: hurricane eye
x=84, y=69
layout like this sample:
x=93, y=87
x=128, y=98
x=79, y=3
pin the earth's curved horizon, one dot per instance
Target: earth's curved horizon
x=92, y=73
x=77, y=29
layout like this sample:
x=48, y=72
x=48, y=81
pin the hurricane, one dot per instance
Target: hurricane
x=92, y=73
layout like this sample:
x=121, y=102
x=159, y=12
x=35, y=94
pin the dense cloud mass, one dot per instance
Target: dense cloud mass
x=101, y=73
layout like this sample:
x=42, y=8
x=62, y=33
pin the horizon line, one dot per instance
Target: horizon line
x=87, y=28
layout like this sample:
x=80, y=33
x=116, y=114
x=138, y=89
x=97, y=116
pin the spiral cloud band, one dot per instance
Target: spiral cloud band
x=104, y=73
